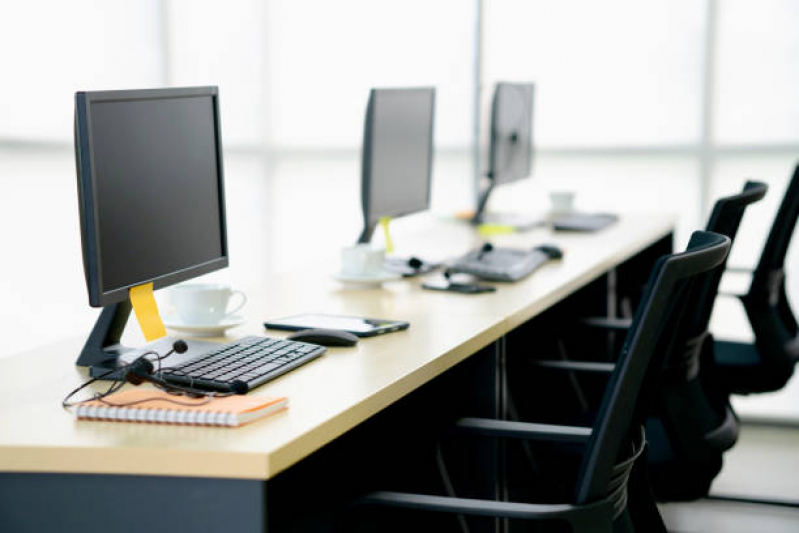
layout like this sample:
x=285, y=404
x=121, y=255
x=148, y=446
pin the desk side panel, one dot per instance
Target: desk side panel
x=102, y=503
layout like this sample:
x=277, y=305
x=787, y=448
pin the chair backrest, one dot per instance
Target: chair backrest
x=767, y=304
x=630, y=387
x=695, y=425
x=773, y=256
x=725, y=219
x=684, y=359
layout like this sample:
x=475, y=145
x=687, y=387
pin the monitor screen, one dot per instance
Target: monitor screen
x=150, y=186
x=511, y=149
x=397, y=152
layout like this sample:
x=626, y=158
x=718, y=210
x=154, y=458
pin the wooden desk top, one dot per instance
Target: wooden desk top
x=328, y=396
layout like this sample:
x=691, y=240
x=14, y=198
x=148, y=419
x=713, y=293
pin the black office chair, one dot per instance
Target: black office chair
x=768, y=364
x=601, y=499
x=689, y=428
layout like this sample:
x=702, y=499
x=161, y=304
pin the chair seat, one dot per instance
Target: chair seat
x=735, y=354
x=740, y=369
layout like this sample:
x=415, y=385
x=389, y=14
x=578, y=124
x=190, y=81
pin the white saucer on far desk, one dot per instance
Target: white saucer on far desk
x=365, y=282
x=204, y=330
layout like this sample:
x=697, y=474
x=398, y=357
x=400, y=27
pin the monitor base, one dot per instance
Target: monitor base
x=583, y=222
x=519, y=222
x=103, y=352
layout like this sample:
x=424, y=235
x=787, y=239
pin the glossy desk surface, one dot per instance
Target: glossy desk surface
x=328, y=396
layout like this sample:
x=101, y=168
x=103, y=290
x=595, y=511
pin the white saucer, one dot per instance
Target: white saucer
x=204, y=330
x=365, y=282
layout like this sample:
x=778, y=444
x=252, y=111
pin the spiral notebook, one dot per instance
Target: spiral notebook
x=159, y=407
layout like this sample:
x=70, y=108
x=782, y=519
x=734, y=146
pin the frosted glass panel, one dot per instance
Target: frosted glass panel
x=607, y=73
x=316, y=202
x=52, y=49
x=222, y=43
x=633, y=184
x=757, y=74
x=324, y=56
x=44, y=274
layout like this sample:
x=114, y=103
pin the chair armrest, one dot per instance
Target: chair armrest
x=738, y=354
x=739, y=270
x=728, y=294
x=613, y=324
x=725, y=436
x=579, y=366
x=490, y=427
x=596, y=516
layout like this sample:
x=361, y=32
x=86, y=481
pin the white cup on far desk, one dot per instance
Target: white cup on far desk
x=562, y=202
x=362, y=261
x=204, y=303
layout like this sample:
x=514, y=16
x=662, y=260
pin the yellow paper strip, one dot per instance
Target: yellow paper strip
x=494, y=229
x=147, y=312
x=389, y=245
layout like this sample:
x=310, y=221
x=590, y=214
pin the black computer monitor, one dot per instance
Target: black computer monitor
x=151, y=197
x=397, y=154
x=510, y=153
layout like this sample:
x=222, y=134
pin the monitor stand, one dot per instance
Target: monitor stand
x=519, y=222
x=104, y=352
x=103, y=349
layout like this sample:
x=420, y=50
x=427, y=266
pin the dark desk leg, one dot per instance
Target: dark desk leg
x=502, y=414
x=490, y=375
x=41, y=503
x=481, y=460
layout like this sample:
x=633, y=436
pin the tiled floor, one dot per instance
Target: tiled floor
x=763, y=464
x=708, y=516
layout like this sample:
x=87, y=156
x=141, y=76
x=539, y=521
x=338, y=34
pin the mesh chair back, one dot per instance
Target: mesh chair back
x=725, y=219
x=767, y=305
x=629, y=390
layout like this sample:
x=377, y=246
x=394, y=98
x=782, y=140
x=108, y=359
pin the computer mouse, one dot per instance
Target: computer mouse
x=325, y=337
x=554, y=252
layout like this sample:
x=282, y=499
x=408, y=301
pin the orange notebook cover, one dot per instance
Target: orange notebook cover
x=155, y=406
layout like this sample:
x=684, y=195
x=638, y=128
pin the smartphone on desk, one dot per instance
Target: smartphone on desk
x=359, y=326
x=453, y=286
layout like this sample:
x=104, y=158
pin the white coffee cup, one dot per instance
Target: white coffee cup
x=204, y=303
x=562, y=201
x=362, y=261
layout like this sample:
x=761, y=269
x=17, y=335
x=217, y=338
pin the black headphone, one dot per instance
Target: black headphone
x=485, y=249
x=142, y=369
x=415, y=263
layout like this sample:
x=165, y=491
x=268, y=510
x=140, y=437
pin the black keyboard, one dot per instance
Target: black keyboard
x=583, y=221
x=242, y=365
x=500, y=264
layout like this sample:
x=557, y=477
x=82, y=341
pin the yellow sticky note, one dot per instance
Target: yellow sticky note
x=494, y=229
x=389, y=245
x=147, y=312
